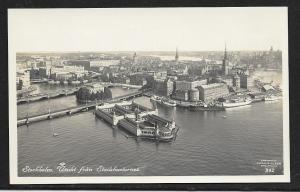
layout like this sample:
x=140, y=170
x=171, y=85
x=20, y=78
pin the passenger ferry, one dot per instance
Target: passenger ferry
x=168, y=102
x=236, y=103
x=205, y=107
x=183, y=104
x=51, y=82
x=155, y=98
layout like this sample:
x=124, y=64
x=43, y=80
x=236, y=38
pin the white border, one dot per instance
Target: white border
x=14, y=179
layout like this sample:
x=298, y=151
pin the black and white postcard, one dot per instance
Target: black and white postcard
x=148, y=95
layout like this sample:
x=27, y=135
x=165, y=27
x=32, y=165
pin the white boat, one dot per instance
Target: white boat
x=184, y=104
x=236, y=103
x=272, y=98
x=51, y=82
x=155, y=98
x=168, y=102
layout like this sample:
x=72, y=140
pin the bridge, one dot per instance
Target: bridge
x=108, y=84
x=41, y=96
x=76, y=109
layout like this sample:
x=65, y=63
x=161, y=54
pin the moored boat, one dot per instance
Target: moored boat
x=183, y=104
x=168, y=102
x=155, y=98
x=236, y=103
x=202, y=107
x=272, y=98
x=51, y=82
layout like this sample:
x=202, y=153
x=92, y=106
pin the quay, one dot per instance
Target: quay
x=76, y=109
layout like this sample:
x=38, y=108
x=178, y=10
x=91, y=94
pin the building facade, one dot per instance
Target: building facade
x=210, y=92
x=182, y=95
x=194, y=95
x=188, y=85
x=103, y=63
x=163, y=87
x=236, y=82
x=246, y=81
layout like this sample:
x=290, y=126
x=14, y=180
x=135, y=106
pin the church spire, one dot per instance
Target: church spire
x=225, y=62
x=134, y=58
x=225, y=53
x=176, y=55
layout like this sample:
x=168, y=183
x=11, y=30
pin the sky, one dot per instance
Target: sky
x=147, y=29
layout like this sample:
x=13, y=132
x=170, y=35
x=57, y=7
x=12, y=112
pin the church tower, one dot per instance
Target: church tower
x=134, y=58
x=225, y=67
x=176, y=55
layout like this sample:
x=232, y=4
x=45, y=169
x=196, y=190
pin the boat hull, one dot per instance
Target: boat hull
x=238, y=104
x=202, y=108
x=272, y=98
x=168, y=104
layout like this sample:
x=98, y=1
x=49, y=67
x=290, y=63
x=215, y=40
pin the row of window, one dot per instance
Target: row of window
x=148, y=132
x=165, y=134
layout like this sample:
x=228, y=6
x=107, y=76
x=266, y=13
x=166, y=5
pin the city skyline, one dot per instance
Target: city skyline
x=189, y=29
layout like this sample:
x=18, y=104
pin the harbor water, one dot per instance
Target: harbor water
x=230, y=142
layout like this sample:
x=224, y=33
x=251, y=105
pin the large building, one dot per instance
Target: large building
x=194, y=95
x=103, y=63
x=210, y=92
x=188, y=85
x=246, y=81
x=82, y=63
x=138, y=79
x=44, y=72
x=64, y=72
x=90, y=93
x=164, y=87
x=236, y=81
x=68, y=69
x=181, y=95
x=62, y=76
x=23, y=80
x=121, y=79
